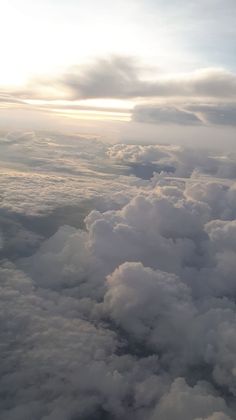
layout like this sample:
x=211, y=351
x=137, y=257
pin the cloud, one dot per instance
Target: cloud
x=203, y=96
x=220, y=197
x=180, y=161
x=130, y=314
x=184, y=402
x=185, y=114
x=111, y=77
x=6, y=98
x=137, y=300
x=42, y=172
x=55, y=344
x=120, y=77
x=219, y=114
x=164, y=115
x=124, y=77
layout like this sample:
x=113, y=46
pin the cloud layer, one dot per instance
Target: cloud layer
x=131, y=315
x=121, y=77
x=185, y=114
x=205, y=96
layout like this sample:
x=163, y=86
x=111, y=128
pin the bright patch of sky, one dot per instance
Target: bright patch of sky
x=174, y=36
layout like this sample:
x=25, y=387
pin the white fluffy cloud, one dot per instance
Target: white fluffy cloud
x=152, y=306
x=131, y=315
x=181, y=161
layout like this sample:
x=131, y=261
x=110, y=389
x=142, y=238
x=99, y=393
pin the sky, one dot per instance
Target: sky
x=159, y=64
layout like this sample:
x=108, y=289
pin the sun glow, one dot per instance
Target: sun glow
x=94, y=115
x=38, y=38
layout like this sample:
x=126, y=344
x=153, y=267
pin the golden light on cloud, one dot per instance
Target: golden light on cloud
x=112, y=104
x=94, y=115
x=91, y=109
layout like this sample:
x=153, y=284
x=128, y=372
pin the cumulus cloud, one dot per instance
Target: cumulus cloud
x=184, y=402
x=219, y=196
x=131, y=314
x=182, y=161
x=138, y=299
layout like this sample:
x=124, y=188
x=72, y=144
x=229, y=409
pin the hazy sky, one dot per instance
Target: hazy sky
x=153, y=62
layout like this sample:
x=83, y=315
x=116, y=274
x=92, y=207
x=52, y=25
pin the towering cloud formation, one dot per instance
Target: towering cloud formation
x=132, y=315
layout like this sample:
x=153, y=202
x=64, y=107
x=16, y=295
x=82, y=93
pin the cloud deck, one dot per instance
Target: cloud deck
x=130, y=314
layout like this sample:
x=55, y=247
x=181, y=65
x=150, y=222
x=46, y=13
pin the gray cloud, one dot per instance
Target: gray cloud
x=164, y=115
x=197, y=114
x=184, y=402
x=123, y=77
x=119, y=77
x=113, y=77
x=219, y=114
x=182, y=161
